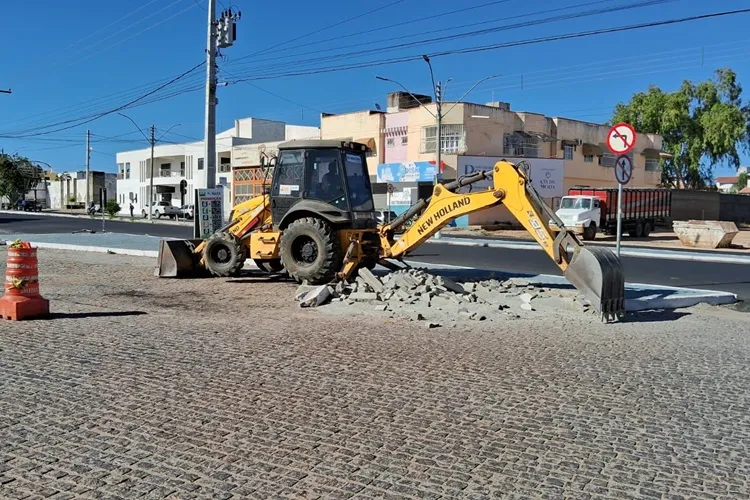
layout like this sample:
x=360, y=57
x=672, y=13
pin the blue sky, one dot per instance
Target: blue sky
x=66, y=58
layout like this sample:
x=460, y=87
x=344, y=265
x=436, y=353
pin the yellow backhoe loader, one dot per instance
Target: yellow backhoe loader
x=317, y=224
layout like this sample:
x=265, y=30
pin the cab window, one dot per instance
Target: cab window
x=288, y=176
x=360, y=193
x=325, y=181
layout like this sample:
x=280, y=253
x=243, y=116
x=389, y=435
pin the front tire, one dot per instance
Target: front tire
x=310, y=251
x=647, y=229
x=589, y=233
x=224, y=255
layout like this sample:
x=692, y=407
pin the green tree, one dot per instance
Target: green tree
x=741, y=181
x=112, y=208
x=703, y=125
x=16, y=174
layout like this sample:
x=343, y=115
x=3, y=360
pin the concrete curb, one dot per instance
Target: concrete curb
x=134, y=220
x=85, y=248
x=642, y=296
x=626, y=251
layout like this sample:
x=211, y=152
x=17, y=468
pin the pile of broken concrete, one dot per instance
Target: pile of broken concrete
x=437, y=300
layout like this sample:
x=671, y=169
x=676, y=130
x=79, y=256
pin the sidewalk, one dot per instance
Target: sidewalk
x=639, y=296
x=694, y=255
x=657, y=240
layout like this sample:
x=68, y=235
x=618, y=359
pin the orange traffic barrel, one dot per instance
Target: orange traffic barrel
x=22, y=299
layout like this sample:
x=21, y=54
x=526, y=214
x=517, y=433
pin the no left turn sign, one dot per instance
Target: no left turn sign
x=621, y=138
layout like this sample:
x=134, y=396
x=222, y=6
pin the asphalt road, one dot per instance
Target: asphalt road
x=43, y=224
x=733, y=278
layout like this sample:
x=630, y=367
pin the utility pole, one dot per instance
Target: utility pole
x=88, y=168
x=151, y=184
x=438, y=115
x=210, y=127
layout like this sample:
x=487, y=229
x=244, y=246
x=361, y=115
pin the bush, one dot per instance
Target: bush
x=72, y=199
x=112, y=208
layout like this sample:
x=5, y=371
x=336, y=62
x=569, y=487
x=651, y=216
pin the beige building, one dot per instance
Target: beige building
x=562, y=152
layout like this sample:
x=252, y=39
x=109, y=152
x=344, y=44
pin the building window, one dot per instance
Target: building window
x=607, y=160
x=200, y=163
x=521, y=145
x=404, y=140
x=588, y=158
x=390, y=142
x=225, y=165
x=120, y=170
x=568, y=152
x=452, y=140
x=653, y=164
x=182, y=169
x=127, y=170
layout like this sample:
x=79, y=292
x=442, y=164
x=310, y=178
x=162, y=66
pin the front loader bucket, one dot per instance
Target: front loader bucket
x=597, y=273
x=177, y=259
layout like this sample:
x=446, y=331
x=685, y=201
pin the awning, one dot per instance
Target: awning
x=539, y=135
x=655, y=153
x=592, y=149
x=369, y=142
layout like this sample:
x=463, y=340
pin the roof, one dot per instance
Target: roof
x=727, y=180
x=322, y=143
x=745, y=190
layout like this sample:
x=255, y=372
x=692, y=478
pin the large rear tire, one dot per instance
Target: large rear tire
x=647, y=229
x=269, y=265
x=224, y=255
x=310, y=251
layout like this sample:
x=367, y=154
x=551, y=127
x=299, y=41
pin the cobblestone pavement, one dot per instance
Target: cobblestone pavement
x=146, y=388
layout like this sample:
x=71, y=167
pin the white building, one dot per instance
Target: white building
x=727, y=184
x=174, y=163
x=68, y=189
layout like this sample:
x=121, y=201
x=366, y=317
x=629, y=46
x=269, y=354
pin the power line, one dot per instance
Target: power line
x=483, y=48
x=180, y=12
x=128, y=27
x=114, y=110
x=380, y=28
x=104, y=28
x=326, y=28
x=443, y=38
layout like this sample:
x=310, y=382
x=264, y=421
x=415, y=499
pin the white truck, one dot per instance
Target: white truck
x=587, y=211
x=162, y=208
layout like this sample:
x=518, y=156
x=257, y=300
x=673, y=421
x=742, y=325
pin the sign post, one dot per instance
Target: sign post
x=388, y=194
x=621, y=140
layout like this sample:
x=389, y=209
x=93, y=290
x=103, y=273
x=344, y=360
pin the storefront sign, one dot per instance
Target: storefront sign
x=546, y=173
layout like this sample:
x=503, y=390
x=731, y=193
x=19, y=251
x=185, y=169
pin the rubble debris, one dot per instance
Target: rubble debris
x=363, y=296
x=371, y=280
x=316, y=297
x=426, y=298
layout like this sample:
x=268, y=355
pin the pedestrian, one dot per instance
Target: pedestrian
x=131, y=209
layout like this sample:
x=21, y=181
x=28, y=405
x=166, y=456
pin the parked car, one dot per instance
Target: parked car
x=162, y=208
x=187, y=211
x=29, y=206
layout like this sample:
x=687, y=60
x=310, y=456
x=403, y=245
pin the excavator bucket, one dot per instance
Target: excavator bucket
x=177, y=259
x=597, y=273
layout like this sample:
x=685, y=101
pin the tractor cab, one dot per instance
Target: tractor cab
x=323, y=178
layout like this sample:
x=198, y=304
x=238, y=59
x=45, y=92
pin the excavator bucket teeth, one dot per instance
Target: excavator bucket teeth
x=597, y=273
x=177, y=259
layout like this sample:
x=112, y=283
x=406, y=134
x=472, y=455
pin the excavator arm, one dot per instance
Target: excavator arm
x=594, y=271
